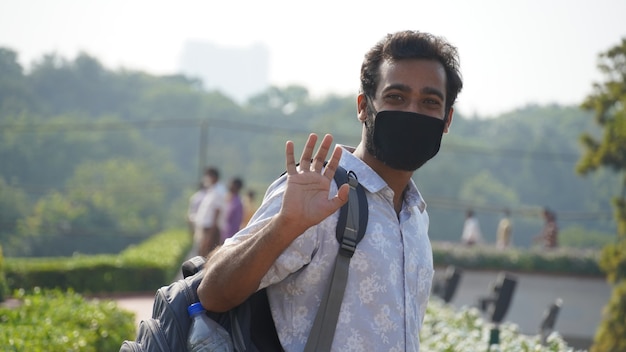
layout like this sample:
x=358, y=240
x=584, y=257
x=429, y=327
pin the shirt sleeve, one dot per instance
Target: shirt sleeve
x=294, y=257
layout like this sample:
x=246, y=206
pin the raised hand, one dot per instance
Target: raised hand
x=306, y=200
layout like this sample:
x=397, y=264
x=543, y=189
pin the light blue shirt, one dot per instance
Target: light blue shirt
x=390, y=274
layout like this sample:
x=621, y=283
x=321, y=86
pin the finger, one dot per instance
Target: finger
x=289, y=158
x=307, y=152
x=322, y=152
x=331, y=166
x=342, y=195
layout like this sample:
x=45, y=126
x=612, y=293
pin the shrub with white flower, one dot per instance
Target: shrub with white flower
x=448, y=330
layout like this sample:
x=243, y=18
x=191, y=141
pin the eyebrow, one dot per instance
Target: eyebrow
x=434, y=91
x=425, y=90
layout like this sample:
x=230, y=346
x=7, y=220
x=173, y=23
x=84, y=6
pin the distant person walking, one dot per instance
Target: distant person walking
x=233, y=211
x=249, y=207
x=471, y=229
x=549, y=235
x=194, y=203
x=207, y=232
x=505, y=229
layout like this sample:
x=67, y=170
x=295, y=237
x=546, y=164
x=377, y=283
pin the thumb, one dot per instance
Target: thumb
x=342, y=195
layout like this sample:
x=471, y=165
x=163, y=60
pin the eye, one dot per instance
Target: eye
x=432, y=101
x=394, y=98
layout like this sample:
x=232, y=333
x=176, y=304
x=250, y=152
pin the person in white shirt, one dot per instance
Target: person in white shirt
x=471, y=230
x=504, y=231
x=208, y=218
x=194, y=203
x=409, y=82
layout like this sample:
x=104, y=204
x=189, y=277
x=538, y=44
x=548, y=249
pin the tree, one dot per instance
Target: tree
x=107, y=203
x=14, y=95
x=608, y=101
x=14, y=206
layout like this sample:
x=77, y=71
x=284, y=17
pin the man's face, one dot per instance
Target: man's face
x=408, y=85
x=412, y=85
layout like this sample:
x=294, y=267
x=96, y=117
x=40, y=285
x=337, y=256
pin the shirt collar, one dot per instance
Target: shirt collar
x=373, y=183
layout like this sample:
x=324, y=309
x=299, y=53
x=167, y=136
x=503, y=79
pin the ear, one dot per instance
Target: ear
x=446, y=128
x=361, y=107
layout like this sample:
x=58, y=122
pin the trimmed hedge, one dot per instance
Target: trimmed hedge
x=56, y=321
x=561, y=261
x=155, y=262
x=144, y=267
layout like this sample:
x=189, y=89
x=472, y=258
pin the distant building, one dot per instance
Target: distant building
x=238, y=72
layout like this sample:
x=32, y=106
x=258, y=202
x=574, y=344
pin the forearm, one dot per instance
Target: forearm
x=233, y=273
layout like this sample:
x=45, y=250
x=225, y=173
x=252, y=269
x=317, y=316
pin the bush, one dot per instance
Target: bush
x=611, y=334
x=449, y=330
x=144, y=267
x=565, y=261
x=52, y=320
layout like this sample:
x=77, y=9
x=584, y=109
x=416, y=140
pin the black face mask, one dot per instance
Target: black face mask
x=403, y=140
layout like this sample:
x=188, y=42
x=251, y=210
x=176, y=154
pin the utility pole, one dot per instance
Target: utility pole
x=202, y=146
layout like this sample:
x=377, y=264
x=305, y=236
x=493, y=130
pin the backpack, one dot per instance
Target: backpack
x=250, y=324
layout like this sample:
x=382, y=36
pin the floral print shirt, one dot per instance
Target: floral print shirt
x=390, y=273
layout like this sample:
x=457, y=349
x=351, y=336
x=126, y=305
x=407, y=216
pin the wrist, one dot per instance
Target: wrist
x=286, y=228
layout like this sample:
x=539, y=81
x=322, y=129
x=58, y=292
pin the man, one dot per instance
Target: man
x=207, y=234
x=249, y=207
x=409, y=82
x=504, y=232
x=550, y=233
x=471, y=229
x=194, y=203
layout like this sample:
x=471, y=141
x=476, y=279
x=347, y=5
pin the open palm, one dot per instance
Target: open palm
x=306, y=200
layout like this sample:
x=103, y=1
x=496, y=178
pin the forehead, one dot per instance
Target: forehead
x=416, y=74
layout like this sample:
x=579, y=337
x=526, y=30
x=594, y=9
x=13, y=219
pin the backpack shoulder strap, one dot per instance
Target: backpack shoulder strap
x=352, y=215
x=350, y=230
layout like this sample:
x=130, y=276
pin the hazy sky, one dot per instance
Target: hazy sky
x=512, y=52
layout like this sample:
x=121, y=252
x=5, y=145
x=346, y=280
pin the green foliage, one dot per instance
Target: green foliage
x=144, y=267
x=13, y=207
x=171, y=128
x=613, y=262
x=610, y=334
x=14, y=93
x=449, y=330
x=564, y=261
x=3, y=282
x=56, y=321
x=166, y=250
x=579, y=237
x=101, y=194
x=608, y=101
x=484, y=189
x=528, y=155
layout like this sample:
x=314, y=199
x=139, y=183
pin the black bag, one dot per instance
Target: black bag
x=250, y=324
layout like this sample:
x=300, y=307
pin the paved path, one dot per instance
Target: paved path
x=141, y=305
